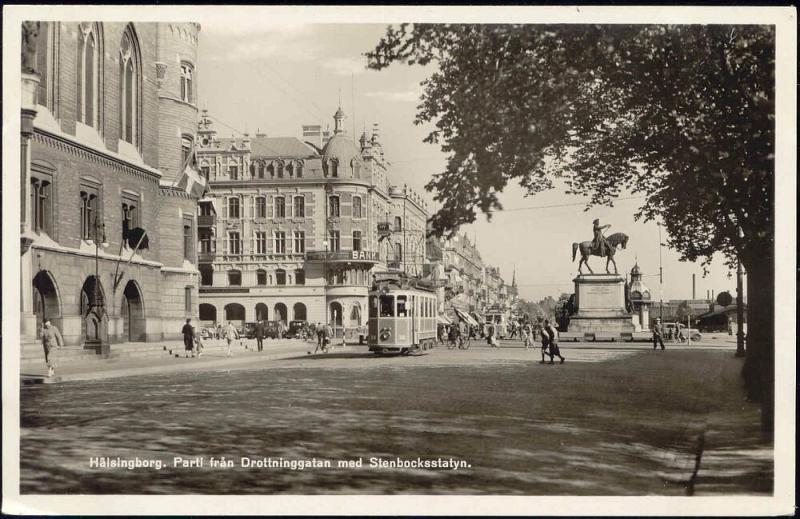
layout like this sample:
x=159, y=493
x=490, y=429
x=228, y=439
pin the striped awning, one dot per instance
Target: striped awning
x=465, y=317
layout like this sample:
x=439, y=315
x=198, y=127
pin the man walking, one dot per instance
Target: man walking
x=51, y=338
x=188, y=338
x=526, y=334
x=552, y=331
x=261, y=332
x=231, y=334
x=545, y=341
x=658, y=332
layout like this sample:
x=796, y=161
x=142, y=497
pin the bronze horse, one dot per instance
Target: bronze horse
x=616, y=239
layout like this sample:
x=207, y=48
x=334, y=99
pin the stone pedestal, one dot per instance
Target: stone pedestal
x=600, y=302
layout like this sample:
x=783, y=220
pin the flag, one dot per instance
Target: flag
x=135, y=235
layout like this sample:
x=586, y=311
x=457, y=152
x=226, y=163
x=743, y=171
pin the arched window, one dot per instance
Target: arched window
x=89, y=54
x=45, y=63
x=398, y=252
x=280, y=207
x=333, y=204
x=299, y=206
x=398, y=223
x=290, y=169
x=333, y=167
x=357, y=211
x=355, y=168
x=130, y=75
x=187, y=82
x=280, y=277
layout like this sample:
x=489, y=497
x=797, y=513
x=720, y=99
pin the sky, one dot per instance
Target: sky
x=274, y=78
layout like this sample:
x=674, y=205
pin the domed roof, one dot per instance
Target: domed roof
x=635, y=271
x=342, y=148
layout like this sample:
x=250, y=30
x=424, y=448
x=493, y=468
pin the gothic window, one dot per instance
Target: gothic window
x=130, y=214
x=41, y=203
x=188, y=240
x=89, y=62
x=299, y=207
x=187, y=80
x=46, y=47
x=130, y=74
x=89, y=207
x=357, y=211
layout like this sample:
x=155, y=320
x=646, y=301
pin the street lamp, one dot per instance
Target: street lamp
x=660, y=276
x=97, y=306
x=740, y=351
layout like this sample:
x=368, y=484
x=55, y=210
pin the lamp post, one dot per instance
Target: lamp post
x=660, y=277
x=740, y=350
x=99, y=342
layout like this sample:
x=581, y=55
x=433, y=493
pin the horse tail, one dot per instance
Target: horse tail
x=574, y=250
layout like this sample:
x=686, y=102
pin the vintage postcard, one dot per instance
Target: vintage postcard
x=362, y=260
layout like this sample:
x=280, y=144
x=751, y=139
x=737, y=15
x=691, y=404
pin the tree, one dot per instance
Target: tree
x=681, y=114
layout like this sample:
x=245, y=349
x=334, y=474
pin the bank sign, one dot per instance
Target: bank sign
x=364, y=255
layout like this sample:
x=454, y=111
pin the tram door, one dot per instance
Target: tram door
x=414, y=330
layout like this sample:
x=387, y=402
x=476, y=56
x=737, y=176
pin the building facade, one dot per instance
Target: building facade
x=109, y=188
x=289, y=228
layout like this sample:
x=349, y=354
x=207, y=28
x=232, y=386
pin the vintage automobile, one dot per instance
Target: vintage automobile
x=296, y=330
x=678, y=331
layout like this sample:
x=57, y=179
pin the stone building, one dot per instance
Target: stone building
x=109, y=189
x=289, y=228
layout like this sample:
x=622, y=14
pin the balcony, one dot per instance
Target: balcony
x=206, y=220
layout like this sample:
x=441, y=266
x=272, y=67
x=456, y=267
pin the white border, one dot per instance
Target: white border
x=785, y=19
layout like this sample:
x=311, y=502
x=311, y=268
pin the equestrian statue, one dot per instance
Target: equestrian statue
x=600, y=246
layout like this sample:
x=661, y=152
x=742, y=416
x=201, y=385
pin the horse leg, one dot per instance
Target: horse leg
x=586, y=262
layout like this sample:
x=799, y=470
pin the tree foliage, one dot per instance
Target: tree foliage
x=681, y=114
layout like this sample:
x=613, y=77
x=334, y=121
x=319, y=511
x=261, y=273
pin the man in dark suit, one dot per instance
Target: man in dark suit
x=261, y=332
x=658, y=333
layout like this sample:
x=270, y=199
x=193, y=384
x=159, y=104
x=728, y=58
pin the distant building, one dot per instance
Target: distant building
x=293, y=229
x=109, y=185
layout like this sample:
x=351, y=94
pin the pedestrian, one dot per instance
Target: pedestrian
x=526, y=334
x=261, y=332
x=320, y=330
x=513, y=330
x=51, y=339
x=198, y=340
x=231, y=334
x=545, y=343
x=552, y=331
x=188, y=338
x=452, y=336
x=658, y=332
x=219, y=331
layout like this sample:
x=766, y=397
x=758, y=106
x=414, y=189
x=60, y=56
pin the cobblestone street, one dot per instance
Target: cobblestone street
x=521, y=427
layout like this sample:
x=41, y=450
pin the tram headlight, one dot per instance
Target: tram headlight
x=385, y=334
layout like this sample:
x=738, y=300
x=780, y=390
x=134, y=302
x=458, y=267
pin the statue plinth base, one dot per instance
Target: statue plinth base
x=600, y=302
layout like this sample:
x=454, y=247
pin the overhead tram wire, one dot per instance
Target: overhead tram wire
x=571, y=204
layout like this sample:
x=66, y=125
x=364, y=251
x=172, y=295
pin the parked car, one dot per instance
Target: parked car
x=678, y=331
x=248, y=331
x=273, y=329
x=295, y=330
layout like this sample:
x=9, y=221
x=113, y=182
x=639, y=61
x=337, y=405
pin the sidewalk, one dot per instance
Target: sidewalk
x=213, y=357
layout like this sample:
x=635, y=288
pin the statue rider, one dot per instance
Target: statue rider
x=599, y=243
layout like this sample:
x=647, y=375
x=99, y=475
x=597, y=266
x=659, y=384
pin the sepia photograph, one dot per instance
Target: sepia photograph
x=295, y=259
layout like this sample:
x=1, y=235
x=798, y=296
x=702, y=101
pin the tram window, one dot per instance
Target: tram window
x=401, y=306
x=387, y=306
x=373, y=306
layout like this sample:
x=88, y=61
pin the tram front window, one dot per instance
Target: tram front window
x=373, y=307
x=386, y=306
x=401, y=306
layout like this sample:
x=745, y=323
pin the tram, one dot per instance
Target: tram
x=402, y=316
x=499, y=317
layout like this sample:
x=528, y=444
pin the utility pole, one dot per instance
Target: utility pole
x=660, y=278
